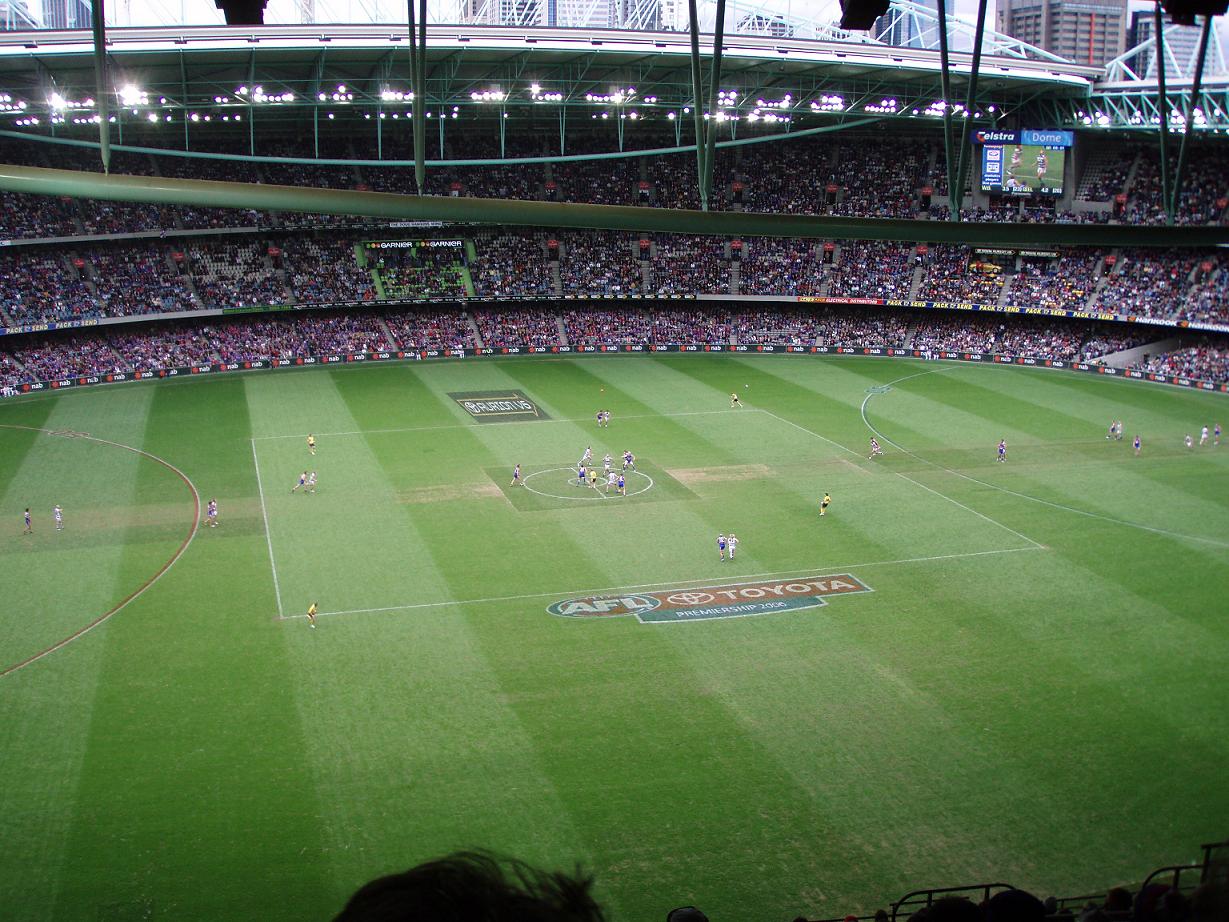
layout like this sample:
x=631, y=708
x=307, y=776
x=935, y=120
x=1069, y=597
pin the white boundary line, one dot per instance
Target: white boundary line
x=980, y=515
x=149, y=584
x=1036, y=499
x=277, y=589
x=809, y=432
x=585, y=593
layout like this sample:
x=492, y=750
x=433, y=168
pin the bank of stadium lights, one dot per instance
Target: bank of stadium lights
x=131, y=96
x=395, y=96
x=9, y=104
x=764, y=111
x=488, y=96
x=340, y=95
x=59, y=103
x=768, y=118
x=829, y=102
x=537, y=94
x=27, y=122
x=257, y=94
x=616, y=97
x=883, y=107
x=726, y=99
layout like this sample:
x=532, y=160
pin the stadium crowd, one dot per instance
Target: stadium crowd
x=143, y=276
x=100, y=351
x=873, y=176
x=1207, y=361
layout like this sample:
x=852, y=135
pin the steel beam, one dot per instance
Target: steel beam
x=697, y=93
x=418, y=111
x=953, y=197
x=714, y=79
x=1172, y=205
x=1166, y=186
x=102, y=86
x=966, y=143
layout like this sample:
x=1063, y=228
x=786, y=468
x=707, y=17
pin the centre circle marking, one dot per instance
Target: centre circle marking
x=576, y=489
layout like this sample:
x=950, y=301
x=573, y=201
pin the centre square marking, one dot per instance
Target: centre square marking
x=498, y=406
x=729, y=600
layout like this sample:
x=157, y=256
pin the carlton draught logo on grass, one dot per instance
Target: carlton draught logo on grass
x=498, y=406
x=733, y=600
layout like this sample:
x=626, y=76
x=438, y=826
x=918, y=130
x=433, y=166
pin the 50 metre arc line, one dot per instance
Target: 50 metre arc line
x=136, y=593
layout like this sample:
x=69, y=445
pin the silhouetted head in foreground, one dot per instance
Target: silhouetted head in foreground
x=473, y=886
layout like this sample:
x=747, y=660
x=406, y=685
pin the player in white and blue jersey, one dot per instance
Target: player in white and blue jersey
x=721, y=546
x=629, y=461
x=1136, y=445
x=302, y=483
x=29, y=529
x=875, y=449
x=580, y=474
x=58, y=514
x=211, y=513
x=1216, y=433
x=516, y=476
x=622, y=486
x=1002, y=449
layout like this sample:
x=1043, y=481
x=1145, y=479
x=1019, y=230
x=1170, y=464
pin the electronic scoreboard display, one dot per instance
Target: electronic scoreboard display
x=1027, y=162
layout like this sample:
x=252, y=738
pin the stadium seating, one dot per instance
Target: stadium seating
x=99, y=351
x=136, y=261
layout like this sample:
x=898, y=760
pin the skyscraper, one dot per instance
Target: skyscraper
x=1088, y=32
x=1181, y=45
x=907, y=31
x=67, y=14
x=15, y=16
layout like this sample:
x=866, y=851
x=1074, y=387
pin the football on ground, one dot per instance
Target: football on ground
x=1021, y=661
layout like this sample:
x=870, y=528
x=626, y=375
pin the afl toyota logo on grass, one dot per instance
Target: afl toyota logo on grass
x=735, y=600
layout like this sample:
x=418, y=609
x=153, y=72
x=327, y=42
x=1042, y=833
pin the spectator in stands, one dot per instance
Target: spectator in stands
x=471, y=886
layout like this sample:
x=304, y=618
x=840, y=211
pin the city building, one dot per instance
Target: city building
x=1181, y=45
x=1090, y=32
x=67, y=14
x=896, y=27
x=15, y=16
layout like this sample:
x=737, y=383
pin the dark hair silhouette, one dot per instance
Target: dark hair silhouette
x=473, y=886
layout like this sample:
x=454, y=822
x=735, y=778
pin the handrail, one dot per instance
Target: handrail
x=931, y=893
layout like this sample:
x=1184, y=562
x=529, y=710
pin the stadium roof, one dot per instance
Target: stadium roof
x=283, y=74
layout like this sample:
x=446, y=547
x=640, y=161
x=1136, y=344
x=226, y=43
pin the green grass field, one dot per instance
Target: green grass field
x=1034, y=691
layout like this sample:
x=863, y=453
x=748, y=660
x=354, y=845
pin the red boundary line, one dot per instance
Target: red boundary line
x=105, y=616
